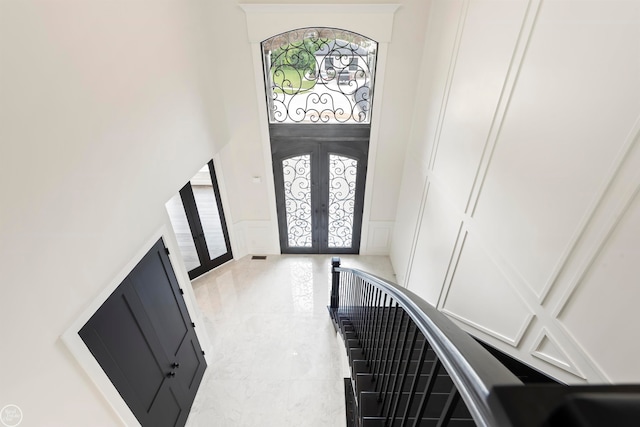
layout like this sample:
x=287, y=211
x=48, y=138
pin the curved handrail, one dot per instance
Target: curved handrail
x=472, y=368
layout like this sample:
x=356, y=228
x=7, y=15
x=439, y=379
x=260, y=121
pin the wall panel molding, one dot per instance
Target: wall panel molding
x=510, y=82
x=255, y=237
x=379, y=238
x=503, y=292
x=550, y=350
x=449, y=81
x=623, y=174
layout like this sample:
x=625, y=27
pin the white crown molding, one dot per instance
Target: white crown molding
x=373, y=20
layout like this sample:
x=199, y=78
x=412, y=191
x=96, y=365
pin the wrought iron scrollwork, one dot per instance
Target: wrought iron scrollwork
x=319, y=75
x=343, y=172
x=296, y=172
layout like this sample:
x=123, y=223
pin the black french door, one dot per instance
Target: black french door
x=199, y=224
x=320, y=181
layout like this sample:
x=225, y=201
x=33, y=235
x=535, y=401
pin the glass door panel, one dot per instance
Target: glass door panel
x=296, y=172
x=181, y=228
x=343, y=172
x=205, y=200
x=198, y=221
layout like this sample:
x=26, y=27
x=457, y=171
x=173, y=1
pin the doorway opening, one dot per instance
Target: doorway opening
x=199, y=224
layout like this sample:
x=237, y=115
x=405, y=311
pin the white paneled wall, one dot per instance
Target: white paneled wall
x=521, y=221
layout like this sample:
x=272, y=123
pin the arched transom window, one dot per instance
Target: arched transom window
x=319, y=75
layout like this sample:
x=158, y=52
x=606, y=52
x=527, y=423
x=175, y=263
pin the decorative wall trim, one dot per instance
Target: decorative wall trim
x=511, y=79
x=515, y=64
x=631, y=142
x=564, y=362
x=256, y=237
x=379, y=238
x=447, y=91
x=444, y=295
x=416, y=233
x=434, y=146
x=512, y=341
x=372, y=20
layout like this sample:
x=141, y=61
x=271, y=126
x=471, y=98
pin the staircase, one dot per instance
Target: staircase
x=399, y=379
x=412, y=366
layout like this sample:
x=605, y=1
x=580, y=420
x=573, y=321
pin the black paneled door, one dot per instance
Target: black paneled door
x=143, y=338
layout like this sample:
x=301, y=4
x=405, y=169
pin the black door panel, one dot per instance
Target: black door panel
x=144, y=340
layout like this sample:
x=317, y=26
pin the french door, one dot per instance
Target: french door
x=198, y=221
x=319, y=194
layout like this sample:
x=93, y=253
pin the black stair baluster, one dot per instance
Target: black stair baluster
x=361, y=295
x=416, y=380
x=405, y=371
x=371, y=290
x=355, y=307
x=346, y=298
x=365, y=314
x=352, y=305
x=382, y=331
x=379, y=320
x=431, y=382
x=449, y=407
x=384, y=390
x=385, y=349
x=354, y=320
x=396, y=375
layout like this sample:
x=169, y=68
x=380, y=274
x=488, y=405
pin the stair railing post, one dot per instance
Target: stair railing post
x=335, y=283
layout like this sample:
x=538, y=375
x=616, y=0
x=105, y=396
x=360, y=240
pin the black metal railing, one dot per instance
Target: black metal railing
x=412, y=366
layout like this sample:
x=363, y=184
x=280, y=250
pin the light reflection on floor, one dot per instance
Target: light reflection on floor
x=277, y=360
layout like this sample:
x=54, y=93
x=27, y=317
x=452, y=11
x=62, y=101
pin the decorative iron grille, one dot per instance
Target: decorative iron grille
x=297, y=189
x=343, y=172
x=319, y=75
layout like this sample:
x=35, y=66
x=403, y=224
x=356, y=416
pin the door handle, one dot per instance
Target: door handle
x=175, y=365
x=171, y=374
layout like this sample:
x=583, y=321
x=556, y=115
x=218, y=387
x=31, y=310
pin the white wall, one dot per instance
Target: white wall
x=106, y=110
x=521, y=181
x=102, y=120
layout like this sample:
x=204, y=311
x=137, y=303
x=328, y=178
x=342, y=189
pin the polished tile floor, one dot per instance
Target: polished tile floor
x=277, y=360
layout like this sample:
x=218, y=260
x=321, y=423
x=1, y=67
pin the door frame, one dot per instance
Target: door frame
x=320, y=141
x=81, y=352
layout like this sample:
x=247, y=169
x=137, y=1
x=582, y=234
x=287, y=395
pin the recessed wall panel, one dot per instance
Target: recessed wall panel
x=481, y=296
x=436, y=239
x=481, y=63
x=602, y=313
x=576, y=99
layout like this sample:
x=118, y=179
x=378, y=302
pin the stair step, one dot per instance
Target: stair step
x=357, y=353
x=363, y=382
x=425, y=422
x=362, y=367
x=371, y=407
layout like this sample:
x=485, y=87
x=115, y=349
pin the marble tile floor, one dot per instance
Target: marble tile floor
x=277, y=360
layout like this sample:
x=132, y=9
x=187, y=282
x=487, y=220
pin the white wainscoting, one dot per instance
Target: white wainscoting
x=528, y=229
x=379, y=238
x=255, y=238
